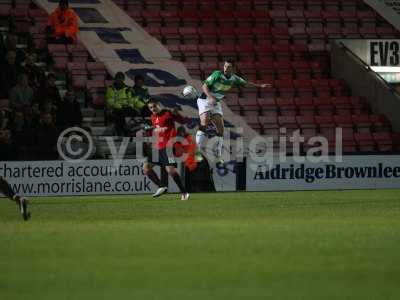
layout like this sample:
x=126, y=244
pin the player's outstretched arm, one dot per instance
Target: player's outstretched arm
x=178, y=117
x=259, y=85
x=208, y=93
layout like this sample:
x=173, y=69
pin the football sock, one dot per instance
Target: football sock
x=200, y=139
x=154, y=178
x=220, y=145
x=178, y=182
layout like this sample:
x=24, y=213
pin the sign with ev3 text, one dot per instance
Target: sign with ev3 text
x=383, y=53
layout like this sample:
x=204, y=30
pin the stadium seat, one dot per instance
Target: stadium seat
x=190, y=53
x=249, y=106
x=305, y=106
x=189, y=35
x=314, y=18
x=243, y=18
x=194, y=70
x=307, y=125
x=97, y=70
x=175, y=51
x=189, y=18
x=233, y=102
x=268, y=107
x=225, y=18
x=172, y=18
x=279, y=18
x=365, y=142
x=362, y=123
x=226, y=36
x=247, y=70
x=287, y=106
x=208, y=35
x=345, y=122
x=270, y=126
x=170, y=36
x=380, y=123
x=326, y=125
x=332, y=19
x=285, y=88
x=384, y=141
x=342, y=105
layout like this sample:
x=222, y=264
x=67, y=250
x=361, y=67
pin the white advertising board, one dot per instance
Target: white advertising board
x=354, y=172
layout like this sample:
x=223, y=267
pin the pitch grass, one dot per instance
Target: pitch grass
x=300, y=245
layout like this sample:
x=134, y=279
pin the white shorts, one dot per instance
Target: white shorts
x=205, y=106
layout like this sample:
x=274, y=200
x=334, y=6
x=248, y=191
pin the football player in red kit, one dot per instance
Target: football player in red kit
x=164, y=131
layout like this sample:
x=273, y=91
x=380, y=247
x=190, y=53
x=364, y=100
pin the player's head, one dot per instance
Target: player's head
x=228, y=67
x=119, y=79
x=139, y=80
x=154, y=106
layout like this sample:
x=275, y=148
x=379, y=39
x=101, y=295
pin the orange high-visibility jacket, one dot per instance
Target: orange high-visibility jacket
x=189, y=149
x=64, y=23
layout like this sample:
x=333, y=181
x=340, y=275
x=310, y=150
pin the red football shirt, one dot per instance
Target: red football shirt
x=164, y=127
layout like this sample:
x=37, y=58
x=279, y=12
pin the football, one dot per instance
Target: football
x=190, y=92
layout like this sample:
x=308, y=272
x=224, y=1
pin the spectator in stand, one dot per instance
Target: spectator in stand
x=6, y=148
x=35, y=74
x=62, y=26
x=21, y=95
x=141, y=93
x=120, y=103
x=8, y=74
x=46, y=138
x=69, y=112
x=11, y=45
x=48, y=93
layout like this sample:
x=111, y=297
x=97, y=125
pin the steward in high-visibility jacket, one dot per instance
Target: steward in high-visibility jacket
x=63, y=23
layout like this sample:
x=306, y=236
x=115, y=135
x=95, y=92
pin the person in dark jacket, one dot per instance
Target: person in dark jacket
x=68, y=111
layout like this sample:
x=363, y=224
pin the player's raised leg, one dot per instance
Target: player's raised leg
x=171, y=170
x=201, y=136
x=149, y=172
x=6, y=189
x=218, y=121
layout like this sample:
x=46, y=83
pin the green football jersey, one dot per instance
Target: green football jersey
x=219, y=85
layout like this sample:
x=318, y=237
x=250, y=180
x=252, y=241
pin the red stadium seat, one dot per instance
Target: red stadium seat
x=307, y=125
x=314, y=18
x=286, y=106
x=244, y=18
x=365, y=142
x=270, y=126
x=208, y=35
x=190, y=53
x=362, y=123
x=225, y=18
x=285, y=88
x=332, y=19
x=268, y=107
x=279, y=18
x=226, y=36
x=326, y=125
x=324, y=106
x=296, y=18
x=189, y=18
x=171, y=18
x=384, y=141
x=305, y=105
